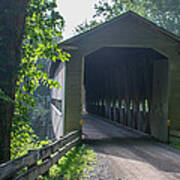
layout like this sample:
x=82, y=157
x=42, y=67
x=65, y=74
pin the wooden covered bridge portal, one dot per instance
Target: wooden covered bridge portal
x=119, y=70
x=121, y=84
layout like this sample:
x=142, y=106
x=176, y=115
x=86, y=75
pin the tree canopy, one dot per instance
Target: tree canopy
x=164, y=13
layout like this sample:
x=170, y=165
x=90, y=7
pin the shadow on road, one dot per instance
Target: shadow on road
x=131, y=147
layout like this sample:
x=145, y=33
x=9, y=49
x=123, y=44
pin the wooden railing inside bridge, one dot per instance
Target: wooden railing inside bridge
x=49, y=155
x=126, y=115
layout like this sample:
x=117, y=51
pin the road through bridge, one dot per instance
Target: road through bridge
x=130, y=154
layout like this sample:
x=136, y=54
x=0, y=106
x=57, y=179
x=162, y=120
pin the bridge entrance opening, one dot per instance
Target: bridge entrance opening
x=128, y=86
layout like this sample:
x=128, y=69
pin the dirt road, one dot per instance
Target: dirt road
x=131, y=156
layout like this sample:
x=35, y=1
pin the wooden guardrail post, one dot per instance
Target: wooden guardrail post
x=35, y=163
x=43, y=160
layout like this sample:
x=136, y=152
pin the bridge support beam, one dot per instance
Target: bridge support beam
x=159, y=109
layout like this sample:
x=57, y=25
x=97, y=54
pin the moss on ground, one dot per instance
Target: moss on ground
x=175, y=145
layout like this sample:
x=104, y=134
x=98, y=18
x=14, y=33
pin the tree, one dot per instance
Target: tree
x=40, y=46
x=37, y=38
x=164, y=13
x=87, y=26
x=12, y=21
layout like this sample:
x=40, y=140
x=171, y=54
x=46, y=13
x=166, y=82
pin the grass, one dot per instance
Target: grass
x=175, y=145
x=75, y=165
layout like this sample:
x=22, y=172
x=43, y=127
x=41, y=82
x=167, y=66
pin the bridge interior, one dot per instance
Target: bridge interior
x=118, y=85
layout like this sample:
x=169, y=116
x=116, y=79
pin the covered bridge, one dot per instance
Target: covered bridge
x=127, y=70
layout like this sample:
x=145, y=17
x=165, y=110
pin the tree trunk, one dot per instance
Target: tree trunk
x=12, y=20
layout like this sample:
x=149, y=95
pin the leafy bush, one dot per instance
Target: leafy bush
x=40, y=46
x=76, y=164
x=23, y=139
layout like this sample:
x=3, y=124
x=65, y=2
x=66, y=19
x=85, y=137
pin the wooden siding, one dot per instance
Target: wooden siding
x=57, y=110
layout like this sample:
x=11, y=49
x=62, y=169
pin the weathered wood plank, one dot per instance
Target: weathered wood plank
x=11, y=167
x=33, y=173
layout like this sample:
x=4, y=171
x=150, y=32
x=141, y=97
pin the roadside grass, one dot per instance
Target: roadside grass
x=175, y=145
x=76, y=164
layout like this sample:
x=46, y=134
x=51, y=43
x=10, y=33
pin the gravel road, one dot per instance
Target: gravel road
x=128, y=155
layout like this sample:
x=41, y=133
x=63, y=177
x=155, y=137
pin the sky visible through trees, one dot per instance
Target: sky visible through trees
x=74, y=13
x=81, y=11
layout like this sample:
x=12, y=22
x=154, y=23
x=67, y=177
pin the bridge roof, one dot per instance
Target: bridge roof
x=126, y=16
x=130, y=16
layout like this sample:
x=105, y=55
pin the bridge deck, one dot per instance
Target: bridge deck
x=129, y=154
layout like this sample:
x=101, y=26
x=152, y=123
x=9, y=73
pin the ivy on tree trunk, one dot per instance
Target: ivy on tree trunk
x=12, y=21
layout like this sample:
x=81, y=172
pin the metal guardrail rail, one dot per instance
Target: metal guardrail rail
x=49, y=154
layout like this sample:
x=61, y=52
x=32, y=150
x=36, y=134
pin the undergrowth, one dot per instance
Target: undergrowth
x=75, y=165
x=175, y=145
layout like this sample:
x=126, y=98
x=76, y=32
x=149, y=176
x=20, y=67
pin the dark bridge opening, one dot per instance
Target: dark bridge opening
x=119, y=85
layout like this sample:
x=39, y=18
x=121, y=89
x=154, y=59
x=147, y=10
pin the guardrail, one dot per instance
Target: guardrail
x=49, y=155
